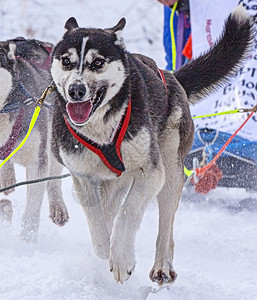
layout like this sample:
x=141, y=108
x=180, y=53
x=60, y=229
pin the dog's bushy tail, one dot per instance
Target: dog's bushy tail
x=209, y=71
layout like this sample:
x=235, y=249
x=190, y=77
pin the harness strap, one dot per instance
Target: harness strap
x=110, y=154
x=163, y=79
x=47, y=63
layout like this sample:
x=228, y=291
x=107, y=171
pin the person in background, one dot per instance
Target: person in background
x=239, y=162
x=177, y=39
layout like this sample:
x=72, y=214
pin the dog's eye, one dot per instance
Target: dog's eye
x=65, y=61
x=97, y=63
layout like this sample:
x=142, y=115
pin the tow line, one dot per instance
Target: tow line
x=210, y=173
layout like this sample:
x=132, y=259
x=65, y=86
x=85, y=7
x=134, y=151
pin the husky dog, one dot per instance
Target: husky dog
x=123, y=133
x=24, y=73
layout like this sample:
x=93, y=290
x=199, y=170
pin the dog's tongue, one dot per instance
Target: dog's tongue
x=79, y=111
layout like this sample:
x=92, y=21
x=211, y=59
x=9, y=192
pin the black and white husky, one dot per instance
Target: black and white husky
x=123, y=128
x=24, y=73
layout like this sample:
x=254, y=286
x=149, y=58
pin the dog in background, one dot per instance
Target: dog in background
x=24, y=73
x=123, y=128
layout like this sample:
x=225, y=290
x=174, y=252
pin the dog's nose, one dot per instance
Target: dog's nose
x=77, y=91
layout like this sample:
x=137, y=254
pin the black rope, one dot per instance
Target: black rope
x=34, y=181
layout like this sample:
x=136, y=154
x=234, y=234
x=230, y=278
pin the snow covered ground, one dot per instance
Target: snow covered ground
x=215, y=256
x=216, y=247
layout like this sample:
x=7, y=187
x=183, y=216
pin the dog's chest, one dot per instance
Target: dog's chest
x=82, y=161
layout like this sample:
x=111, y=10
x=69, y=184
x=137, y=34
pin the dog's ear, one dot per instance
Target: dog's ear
x=71, y=24
x=119, y=26
x=12, y=51
x=117, y=30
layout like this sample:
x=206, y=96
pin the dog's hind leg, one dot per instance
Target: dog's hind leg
x=146, y=184
x=168, y=199
x=57, y=208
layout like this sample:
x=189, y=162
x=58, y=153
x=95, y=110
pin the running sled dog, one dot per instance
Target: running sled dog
x=24, y=73
x=123, y=128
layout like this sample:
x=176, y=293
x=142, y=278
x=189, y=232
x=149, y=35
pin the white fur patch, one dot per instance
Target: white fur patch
x=73, y=55
x=91, y=55
x=135, y=152
x=61, y=77
x=5, y=85
x=82, y=52
x=100, y=131
x=115, y=75
x=240, y=13
x=58, y=76
x=119, y=41
x=12, y=50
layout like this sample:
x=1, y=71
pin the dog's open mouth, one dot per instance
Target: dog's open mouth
x=79, y=112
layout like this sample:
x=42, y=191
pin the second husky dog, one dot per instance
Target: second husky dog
x=123, y=129
x=24, y=73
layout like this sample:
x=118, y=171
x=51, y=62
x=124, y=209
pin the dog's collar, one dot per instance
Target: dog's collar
x=109, y=153
x=9, y=145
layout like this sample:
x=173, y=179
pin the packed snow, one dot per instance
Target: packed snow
x=215, y=236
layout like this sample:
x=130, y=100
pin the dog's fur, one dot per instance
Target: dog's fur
x=95, y=78
x=24, y=75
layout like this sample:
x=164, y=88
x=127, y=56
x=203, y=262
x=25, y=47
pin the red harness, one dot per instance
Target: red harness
x=110, y=154
x=163, y=79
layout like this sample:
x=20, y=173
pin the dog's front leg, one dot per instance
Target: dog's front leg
x=7, y=177
x=113, y=193
x=35, y=193
x=57, y=208
x=146, y=184
x=88, y=191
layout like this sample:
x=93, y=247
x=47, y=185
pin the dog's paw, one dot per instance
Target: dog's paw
x=28, y=234
x=59, y=213
x=122, y=265
x=30, y=226
x=6, y=210
x=163, y=274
